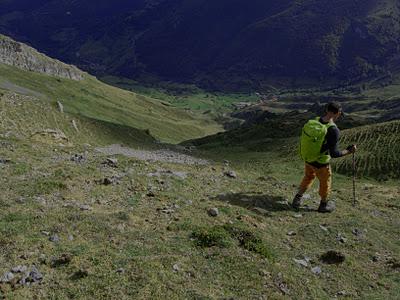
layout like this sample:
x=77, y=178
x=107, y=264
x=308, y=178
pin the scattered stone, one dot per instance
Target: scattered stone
x=231, y=174
x=176, y=268
x=64, y=259
x=54, y=238
x=301, y=262
x=306, y=196
x=324, y=228
x=21, y=200
x=19, y=269
x=4, y=161
x=70, y=237
x=316, y=270
x=166, y=210
x=297, y=216
x=75, y=125
x=32, y=276
x=341, y=293
x=213, y=212
x=78, y=158
x=111, y=162
x=189, y=202
x=361, y=234
x=333, y=257
x=84, y=207
x=7, y=277
x=341, y=238
x=291, y=233
x=46, y=233
x=283, y=288
x=109, y=180
x=60, y=107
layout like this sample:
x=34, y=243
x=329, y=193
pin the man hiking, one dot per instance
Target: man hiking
x=319, y=143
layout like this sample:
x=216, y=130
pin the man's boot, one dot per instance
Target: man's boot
x=326, y=207
x=297, y=201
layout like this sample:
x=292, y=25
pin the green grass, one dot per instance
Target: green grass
x=95, y=100
x=185, y=96
x=242, y=253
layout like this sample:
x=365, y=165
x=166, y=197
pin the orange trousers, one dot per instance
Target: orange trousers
x=324, y=175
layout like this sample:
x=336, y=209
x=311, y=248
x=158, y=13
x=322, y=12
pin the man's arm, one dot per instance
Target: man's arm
x=332, y=144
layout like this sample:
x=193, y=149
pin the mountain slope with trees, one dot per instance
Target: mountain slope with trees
x=221, y=45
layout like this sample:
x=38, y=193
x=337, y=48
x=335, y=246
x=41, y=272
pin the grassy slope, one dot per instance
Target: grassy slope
x=42, y=190
x=96, y=100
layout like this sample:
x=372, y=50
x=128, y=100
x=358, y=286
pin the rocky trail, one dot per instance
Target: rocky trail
x=163, y=155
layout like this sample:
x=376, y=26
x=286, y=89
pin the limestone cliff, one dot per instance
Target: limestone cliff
x=24, y=57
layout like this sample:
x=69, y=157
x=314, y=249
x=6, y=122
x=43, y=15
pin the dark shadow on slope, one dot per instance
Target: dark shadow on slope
x=259, y=203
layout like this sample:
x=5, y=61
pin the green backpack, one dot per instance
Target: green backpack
x=312, y=138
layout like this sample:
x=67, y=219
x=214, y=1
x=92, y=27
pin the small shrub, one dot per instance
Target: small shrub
x=214, y=236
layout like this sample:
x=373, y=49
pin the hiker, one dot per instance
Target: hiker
x=319, y=143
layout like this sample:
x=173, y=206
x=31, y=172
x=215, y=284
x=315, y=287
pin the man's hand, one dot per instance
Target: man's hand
x=352, y=148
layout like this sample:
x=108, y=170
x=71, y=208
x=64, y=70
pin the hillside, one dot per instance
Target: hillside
x=93, y=99
x=79, y=223
x=98, y=201
x=224, y=45
x=378, y=143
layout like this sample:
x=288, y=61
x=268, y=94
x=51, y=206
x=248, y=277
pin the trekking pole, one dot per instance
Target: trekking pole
x=354, y=180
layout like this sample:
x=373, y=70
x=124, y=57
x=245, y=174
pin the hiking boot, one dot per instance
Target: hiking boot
x=326, y=207
x=297, y=201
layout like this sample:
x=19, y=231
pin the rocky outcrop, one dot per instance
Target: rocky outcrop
x=26, y=58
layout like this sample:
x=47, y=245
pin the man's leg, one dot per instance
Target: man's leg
x=324, y=175
x=308, y=179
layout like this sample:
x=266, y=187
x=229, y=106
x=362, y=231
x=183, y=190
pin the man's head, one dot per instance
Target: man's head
x=333, y=110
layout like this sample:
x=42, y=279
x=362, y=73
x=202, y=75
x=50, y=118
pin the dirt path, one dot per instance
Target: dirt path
x=163, y=155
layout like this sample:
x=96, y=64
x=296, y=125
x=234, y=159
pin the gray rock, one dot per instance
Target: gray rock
x=32, y=276
x=4, y=161
x=324, y=228
x=301, y=262
x=7, y=277
x=360, y=233
x=291, y=233
x=111, y=162
x=84, y=207
x=213, y=212
x=316, y=270
x=231, y=174
x=54, y=238
x=341, y=238
x=176, y=268
x=19, y=269
x=60, y=107
x=35, y=275
x=297, y=216
x=78, y=158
